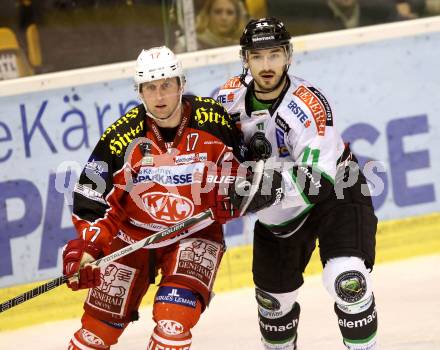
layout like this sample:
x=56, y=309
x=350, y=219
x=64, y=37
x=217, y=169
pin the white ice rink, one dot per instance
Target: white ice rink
x=408, y=302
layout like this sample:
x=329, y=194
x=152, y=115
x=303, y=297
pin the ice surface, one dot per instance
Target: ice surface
x=408, y=303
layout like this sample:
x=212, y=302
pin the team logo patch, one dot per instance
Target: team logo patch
x=232, y=83
x=168, y=207
x=170, y=327
x=315, y=105
x=111, y=295
x=91, y=338
x=97, y=167
x=351, y=286
x=266, y=301
x=198, y=259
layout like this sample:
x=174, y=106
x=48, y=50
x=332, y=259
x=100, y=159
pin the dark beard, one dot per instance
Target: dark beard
x=267, y=89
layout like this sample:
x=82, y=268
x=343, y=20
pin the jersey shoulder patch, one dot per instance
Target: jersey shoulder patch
x=317, y=104
x=126, y=128
x=209, y=113
x=233, y=83
x=131, y=117
x=206, y=101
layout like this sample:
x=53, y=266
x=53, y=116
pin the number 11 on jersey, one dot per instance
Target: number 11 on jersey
x=315, y=155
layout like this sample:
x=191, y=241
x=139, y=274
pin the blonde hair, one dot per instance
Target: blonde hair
x=203, y=18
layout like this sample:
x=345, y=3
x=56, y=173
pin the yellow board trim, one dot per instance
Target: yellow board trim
x=396, y=240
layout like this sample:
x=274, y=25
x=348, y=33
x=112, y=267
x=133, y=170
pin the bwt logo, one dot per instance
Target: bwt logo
x=168, y=207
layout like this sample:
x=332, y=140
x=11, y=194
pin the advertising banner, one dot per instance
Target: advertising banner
x=384, y=96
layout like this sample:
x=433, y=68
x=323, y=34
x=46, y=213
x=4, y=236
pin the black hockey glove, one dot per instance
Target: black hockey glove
x=257, y=191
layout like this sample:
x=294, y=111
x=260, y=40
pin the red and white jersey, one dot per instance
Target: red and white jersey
x=299, y=131
x=135, y=183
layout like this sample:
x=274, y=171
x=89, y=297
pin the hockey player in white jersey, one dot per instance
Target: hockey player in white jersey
x=288, y=121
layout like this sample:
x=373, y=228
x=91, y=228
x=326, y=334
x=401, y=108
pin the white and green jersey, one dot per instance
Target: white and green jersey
x=300, y=135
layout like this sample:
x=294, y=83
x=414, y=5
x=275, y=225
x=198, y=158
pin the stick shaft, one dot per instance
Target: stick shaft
x=258, y=174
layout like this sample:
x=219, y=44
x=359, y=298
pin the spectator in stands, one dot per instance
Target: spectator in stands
x=432, y=7
x=405, y=9
x=218, y=23
x=315, y=16
x=409, y=9
x=357, y=13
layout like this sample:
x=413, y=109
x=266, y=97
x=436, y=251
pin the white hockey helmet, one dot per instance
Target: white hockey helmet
x=157, y=63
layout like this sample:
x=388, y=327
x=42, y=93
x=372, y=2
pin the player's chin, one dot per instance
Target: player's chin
x=268, y=84
x=161, y=114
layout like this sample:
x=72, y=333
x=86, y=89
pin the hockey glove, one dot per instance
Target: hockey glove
x=77, y=255
x=269, y=191
x=221, y=207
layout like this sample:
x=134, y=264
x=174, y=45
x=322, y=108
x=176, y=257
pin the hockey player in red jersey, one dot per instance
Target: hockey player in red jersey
x=148, y=172
x=288, y=121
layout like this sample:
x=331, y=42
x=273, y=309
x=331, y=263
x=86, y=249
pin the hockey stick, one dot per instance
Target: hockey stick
x=258, y=174
x=157, y=237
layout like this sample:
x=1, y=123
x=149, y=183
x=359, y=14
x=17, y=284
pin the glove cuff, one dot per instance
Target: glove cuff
x=80, y=245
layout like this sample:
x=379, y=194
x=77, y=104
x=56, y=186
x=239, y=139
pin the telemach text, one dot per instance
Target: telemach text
x=358, y=323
